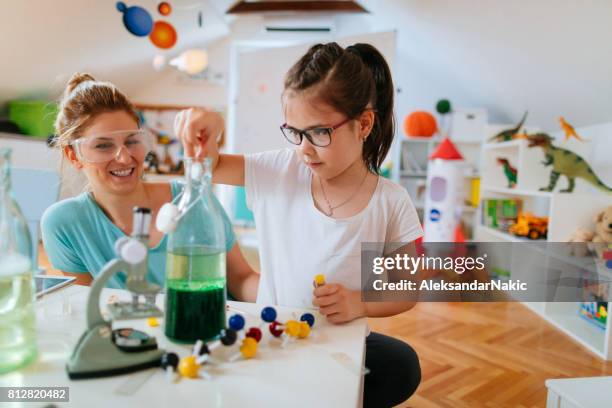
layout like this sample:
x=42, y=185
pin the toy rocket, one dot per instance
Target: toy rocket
x=444, y=193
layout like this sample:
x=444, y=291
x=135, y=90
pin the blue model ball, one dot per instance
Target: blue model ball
x=268, y=314
x=308, y=318
x=136, y=20
x=236, y=322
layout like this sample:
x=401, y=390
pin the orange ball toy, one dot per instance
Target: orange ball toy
x=163, y=35
x=420, y=124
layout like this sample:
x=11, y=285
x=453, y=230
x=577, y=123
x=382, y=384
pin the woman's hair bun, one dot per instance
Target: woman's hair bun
x=77, y=79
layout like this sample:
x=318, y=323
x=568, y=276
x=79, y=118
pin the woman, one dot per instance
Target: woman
x=98, y=132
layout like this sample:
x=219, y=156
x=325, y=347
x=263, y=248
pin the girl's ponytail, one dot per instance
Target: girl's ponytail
x=377, y=145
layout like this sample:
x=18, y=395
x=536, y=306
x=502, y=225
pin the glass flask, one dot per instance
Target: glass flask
x=17, y=315
x=196, y=265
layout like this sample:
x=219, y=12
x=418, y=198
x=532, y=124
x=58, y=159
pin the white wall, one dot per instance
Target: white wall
x=552, y=57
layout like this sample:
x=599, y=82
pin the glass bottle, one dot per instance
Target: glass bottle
x=195, y=265
x=17, y=315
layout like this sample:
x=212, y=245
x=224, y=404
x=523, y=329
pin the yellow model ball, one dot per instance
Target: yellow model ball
x=292, y=328
x=319, y=280
x=304, y=330
x=188, y=367
x=248, y=349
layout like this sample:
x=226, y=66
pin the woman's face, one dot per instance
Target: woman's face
x=304, y=111
x=119, y=173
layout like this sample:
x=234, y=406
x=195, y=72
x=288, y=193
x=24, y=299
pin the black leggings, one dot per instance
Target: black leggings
x=395, y=372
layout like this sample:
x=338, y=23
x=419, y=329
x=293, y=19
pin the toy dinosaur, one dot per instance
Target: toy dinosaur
x=509, y=134
x=509, y=171
x=569, y=130
x=564, y=162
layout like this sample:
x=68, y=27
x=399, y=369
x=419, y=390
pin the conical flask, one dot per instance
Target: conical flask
x=17, y=316
x=196, y=265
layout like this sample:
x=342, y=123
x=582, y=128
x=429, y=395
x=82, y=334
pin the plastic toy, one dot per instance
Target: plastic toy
x=248, y=349
x=164, y=8
x=169, y=363
x=319, y=280
x=188, y=367
x=255, y=333
x=509, y=171
x=530, y=226
x=501, y=214
x=564, y=162
x=163, y=35
x=236, y=322
x=276, y=329
x=509, y=134
x=420, y=124
x=569, y=130
x=136, y=20
x=445, y=192
x=268, y=314
x=443, y=106
x=603, y=231
x=308, y=318
x=577, y=244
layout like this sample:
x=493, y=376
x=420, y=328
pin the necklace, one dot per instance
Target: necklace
x=330, y=211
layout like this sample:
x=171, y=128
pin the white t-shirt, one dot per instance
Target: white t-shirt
x=297, y=241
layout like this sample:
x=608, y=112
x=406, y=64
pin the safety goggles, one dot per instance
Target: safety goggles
x=107, y=146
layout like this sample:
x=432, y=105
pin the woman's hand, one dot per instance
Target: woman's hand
x=338, y=304
x=198, y=131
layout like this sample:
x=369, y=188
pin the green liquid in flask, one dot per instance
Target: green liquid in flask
x=195, y=294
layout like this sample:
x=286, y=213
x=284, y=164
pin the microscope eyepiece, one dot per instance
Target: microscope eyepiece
x=141, y=221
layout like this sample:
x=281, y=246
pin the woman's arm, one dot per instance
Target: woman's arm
x=199, y=130
x=243, y=281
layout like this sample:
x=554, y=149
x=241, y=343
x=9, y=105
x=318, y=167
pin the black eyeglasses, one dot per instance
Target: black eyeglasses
x=319, y=136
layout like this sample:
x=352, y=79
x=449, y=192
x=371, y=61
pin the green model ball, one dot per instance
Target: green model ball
x=443, y=106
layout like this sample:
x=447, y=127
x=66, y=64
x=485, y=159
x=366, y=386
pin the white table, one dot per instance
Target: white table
x=322, y=370
x=587, y=392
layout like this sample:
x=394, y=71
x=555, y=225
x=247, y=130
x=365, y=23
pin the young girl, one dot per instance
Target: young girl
x=98, y=132
x=315, y=204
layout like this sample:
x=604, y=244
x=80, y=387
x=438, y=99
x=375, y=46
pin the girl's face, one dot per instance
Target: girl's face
x=119, y=173
x=304, y=111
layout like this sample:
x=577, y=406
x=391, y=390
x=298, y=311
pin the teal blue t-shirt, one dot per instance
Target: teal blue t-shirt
x=78, y=237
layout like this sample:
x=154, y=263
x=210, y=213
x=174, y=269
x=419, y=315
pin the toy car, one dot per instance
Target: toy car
x=528, y=225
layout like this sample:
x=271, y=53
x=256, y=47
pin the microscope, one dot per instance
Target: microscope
x=102, y=351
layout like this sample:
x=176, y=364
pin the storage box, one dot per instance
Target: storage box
x=34, y=118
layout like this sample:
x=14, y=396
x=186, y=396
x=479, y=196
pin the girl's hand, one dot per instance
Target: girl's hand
x=338, y=303
x=198, y=131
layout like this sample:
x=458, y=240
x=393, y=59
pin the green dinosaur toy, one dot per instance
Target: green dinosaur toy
x=564, y=162
x=509, y=171
x=509, y=134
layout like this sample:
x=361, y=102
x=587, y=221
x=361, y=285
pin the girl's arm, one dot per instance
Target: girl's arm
x=199, y=130
x=243, y=281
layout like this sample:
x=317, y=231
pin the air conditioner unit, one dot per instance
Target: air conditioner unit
x=299, y=23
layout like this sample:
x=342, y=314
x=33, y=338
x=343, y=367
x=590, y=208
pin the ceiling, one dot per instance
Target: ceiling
x=45, y=44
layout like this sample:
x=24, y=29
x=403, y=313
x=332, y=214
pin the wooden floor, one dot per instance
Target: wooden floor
x=487, y=354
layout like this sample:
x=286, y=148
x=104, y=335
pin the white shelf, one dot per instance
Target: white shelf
x=515, y=191
x=566, y=213
x=502, y=145
x=504, y=235
x=580, y=330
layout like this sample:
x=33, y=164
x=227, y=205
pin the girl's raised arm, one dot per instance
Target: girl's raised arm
x=199, y=130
